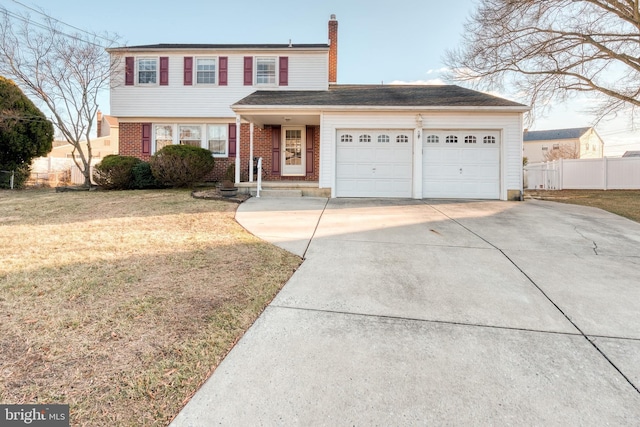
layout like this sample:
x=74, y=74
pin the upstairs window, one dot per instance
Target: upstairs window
x=205, y=70
x=147, y=71
x=266, y=71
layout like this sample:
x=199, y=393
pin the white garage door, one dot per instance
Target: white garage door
x=374, y=163
x=461, y=164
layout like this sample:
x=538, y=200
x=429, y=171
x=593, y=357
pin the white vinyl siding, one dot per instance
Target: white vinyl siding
x=307, y=71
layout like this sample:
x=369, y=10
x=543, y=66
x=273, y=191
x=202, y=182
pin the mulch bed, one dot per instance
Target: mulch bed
x=214, y=194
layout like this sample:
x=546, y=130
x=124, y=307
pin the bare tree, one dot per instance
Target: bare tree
x=65, y=72
x=564, y=151
x=553, y=49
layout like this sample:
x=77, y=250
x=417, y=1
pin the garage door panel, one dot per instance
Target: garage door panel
x=462, y=170
x=346, y=170
x=373, y=164
x=363, y=171
x=349, y=154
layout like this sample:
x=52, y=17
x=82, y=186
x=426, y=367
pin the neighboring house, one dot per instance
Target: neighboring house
x=574, y=143
x=281, y=102
x=631, y=154
x=105, y=142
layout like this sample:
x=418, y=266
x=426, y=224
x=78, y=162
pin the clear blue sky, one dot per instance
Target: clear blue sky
x=379, y=41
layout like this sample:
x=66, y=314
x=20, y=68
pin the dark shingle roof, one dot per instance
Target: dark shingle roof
x=631, y=154
x=553, y=134
x=197, y=46
x=379, y=96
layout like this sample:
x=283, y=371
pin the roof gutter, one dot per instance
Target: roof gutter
x=268, y=109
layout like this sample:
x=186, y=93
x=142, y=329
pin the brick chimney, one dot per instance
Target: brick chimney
x=333, y=50
x=99, y=123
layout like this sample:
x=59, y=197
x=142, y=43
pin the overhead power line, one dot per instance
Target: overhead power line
x=40, y=12
x=47, y=28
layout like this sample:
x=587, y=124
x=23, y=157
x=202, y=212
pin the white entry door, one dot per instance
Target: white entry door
x=374, y=163
x=462, y=164
x=293, y=151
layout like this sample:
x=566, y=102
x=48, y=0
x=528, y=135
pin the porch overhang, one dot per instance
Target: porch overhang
x=279, y=116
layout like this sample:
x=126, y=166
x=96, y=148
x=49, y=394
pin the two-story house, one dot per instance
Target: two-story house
x=554, y=144
x=280, y=102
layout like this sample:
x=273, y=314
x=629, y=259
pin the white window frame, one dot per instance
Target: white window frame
x=204, y=135
x=215, y=72
x=153, y=133
x=275, y=67
x=148, y=58
x=206, y=139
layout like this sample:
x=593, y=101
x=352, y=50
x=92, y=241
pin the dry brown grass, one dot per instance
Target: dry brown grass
x=625, y=203
x=121, y=303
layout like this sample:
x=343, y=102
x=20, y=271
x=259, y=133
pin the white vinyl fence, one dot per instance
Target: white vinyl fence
x=56, y=171
x=621, y=173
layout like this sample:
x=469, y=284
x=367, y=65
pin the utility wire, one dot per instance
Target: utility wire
x=40, y=12
x=44, y=27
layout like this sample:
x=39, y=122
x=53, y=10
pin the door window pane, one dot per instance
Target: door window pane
x=293, y=147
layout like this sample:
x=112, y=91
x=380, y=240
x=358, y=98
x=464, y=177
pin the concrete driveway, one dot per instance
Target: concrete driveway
x=438, y=312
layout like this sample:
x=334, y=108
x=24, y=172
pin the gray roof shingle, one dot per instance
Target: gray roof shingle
x=378, y=95
x=553, y=134
x=631, y=154
x=198, y=46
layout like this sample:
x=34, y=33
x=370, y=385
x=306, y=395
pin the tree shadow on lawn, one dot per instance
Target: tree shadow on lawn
x=127, y=342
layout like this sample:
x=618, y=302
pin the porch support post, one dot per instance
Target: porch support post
x=251, y=152
x=238, y=133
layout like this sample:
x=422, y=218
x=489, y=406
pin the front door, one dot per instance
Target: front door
x=293, y=151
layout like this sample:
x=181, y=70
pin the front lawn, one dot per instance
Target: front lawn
x=122, y=303
x=625, y=203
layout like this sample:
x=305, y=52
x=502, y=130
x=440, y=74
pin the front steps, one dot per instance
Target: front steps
x=285, y=189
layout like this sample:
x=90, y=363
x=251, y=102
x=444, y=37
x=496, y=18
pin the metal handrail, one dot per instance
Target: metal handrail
x=259, y=185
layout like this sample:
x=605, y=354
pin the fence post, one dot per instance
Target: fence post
x=605, y=172
x=561, y=175
x=11, y=179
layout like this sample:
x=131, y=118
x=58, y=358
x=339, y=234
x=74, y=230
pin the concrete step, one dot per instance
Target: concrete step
x=278, y=193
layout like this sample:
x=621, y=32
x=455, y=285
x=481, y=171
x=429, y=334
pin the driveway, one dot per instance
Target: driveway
x=409, y=312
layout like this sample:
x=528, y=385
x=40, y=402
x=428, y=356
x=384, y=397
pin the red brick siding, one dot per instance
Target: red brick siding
x=131, y=140
x=333, y=50
x=131, y=145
